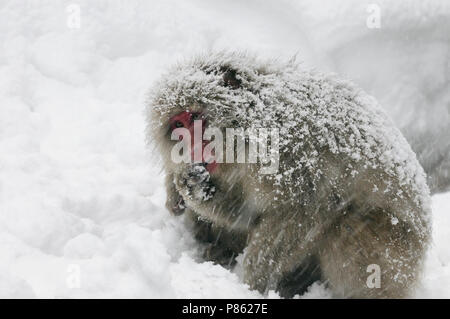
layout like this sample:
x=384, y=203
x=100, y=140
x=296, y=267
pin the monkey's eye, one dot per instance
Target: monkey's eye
x=178, y=124
x=196, y=116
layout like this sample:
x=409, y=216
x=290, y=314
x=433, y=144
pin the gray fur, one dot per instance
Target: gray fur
x=349, y=193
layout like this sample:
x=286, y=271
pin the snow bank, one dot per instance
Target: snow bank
x=436, y=279
x=81, y=200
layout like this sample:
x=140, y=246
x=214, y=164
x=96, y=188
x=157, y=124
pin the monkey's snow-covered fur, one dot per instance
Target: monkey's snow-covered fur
x=349, y=192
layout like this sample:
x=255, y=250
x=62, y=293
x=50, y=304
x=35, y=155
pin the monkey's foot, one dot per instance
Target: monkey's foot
x=218, y=255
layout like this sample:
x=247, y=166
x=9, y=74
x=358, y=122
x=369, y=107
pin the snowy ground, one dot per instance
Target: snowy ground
x=81, y=199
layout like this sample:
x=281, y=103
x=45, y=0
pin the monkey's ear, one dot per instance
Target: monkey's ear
x=229, y=79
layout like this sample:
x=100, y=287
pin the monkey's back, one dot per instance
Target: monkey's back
x=346, y=174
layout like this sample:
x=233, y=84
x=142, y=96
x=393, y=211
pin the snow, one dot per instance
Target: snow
x=81, y=198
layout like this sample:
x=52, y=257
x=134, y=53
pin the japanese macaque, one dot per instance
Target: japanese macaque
x=348, y=204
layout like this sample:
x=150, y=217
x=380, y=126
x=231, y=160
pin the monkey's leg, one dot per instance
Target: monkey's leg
x=367, y=256
x=298, y=281
x=280, y=257
x=221, y=245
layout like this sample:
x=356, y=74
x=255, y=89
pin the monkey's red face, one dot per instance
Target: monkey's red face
x=186, y=119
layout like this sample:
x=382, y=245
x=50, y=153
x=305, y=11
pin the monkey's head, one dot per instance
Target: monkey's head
x=218, y=91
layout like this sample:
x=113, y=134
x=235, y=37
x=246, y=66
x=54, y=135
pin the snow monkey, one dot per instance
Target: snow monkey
x=348, y=205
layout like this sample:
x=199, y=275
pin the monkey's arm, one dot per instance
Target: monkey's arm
x=220, y=202
x=221, y=245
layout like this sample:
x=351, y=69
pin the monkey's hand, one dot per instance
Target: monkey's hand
x=177, y=207
x=194, y=183
x=174, y=201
